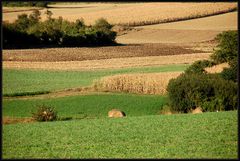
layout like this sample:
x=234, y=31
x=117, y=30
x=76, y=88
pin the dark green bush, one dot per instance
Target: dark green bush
x=45, y=113
x=198, y=66
x=227, y=49
x=231, y=72
x=208, y=91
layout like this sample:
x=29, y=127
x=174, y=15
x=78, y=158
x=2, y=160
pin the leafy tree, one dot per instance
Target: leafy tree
x=22, y=22
x=198, y=66
x=227, y=48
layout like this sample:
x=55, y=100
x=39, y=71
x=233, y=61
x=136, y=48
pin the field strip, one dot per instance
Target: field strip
x=195, y=30
x=141, y=83
x=227, y=21
x=134, y=13
x=88, y=53
x=60, y=93
x=167, y=36
x=20, y=9
x=108, y=63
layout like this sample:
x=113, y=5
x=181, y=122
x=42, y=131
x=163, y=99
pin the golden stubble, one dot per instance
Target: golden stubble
x=133, y=14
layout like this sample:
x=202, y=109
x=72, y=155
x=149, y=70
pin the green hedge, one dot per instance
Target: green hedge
x=208, y=91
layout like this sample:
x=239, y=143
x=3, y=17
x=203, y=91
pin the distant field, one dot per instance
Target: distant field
x=183, y=32
x=132, y=13
x=20, y=81
x=89, y=106
x=227, y=21
x=95, y=53
x=210, y=135
x=115, y=63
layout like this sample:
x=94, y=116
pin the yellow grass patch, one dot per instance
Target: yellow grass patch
x=147, y=83
x=217, y=68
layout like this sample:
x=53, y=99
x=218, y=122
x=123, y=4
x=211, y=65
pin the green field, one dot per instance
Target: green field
x=94, y=106
x=23, y=81
x=209, y=135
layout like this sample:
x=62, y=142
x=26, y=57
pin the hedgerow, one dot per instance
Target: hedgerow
x=28, y=31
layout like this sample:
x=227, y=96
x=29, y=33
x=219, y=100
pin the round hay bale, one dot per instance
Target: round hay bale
x=197, y=110
x=116, y=113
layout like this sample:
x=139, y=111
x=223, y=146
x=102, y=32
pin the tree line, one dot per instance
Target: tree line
x=27, y=31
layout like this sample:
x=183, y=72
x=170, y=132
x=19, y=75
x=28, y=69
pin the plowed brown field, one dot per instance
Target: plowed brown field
x=84, y=53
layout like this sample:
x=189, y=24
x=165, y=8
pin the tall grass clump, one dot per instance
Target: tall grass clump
x=45, y=113
x=147, y=83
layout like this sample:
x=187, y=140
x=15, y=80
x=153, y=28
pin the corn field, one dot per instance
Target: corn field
x=146, y=83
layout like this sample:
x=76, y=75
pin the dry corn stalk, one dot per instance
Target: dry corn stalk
x=147, y=83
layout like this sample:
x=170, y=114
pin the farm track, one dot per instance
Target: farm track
x=61, y=93
x=96, y=53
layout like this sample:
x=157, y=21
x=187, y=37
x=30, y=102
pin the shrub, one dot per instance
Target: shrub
x=208, y=91
x=227, y=47
x=198, y=66
x=231, y=72
x=102, y=24
x=45, y=113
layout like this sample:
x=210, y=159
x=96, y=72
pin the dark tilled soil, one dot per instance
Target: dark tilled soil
x=95, y=53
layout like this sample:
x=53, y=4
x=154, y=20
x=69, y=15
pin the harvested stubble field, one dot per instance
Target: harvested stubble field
x=95, y=53
x=183, y=32
x=114, y=63
x=147, y=83
x=137, y=13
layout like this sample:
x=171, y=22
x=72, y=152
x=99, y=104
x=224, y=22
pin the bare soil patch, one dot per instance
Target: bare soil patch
x=11, y=120
x=95, y=53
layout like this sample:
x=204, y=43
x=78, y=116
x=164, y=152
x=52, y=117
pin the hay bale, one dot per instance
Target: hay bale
x=116, y=113
x=197, y=110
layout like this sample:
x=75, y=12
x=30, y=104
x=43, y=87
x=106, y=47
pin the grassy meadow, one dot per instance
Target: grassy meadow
x=92, y=105
x=211, y=135
x=23, y=82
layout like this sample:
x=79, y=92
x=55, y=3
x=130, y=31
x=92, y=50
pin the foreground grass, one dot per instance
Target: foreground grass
x=25, y=82
x=82, y=106
x=208, y=135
